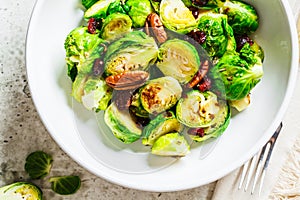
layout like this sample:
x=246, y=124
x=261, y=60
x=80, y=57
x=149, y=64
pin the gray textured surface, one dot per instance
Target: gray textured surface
x=22, y=132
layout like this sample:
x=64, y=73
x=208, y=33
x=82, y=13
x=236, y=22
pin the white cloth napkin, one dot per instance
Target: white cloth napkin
x=282, y=180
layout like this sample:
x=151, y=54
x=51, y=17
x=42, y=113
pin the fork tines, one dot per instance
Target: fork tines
x=258, y=164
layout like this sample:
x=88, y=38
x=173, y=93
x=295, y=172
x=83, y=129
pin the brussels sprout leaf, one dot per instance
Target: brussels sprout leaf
x=38, y=164
x=65, y=185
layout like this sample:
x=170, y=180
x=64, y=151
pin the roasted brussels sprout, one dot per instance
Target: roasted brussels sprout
x=117, y=7
x=134, y=51
x=21, y=191
x=138, y=11
x=136, y=106
x=171, y=144
x=179, y=59
x=237, y=75
x=176, y=16
x=92, y=92
x=115, y=26
x=219, y=36
x=218, y=125
x=162, y=124
x=242, y=17
x=81, y=50
x=98, y=10
x=88, y=3
x=160, y=94
x=121, y=124
x=197, y=109
x=252, y=53
x=240, y=104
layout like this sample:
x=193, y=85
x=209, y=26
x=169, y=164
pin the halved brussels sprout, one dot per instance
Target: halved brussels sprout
x=136, y=106
x=134, y=51
x=138, y=11
x=121, y=124
x=242, y=17
x=92, y=92
x=162, y=124
x=237, y=75
x=21, y=191
x=98, y=10
x=115, y=26
x=171, y=144
x=160, y=94
x=197, y=109
x=176, y=16
x=217, y=126
x=252, y=53
x=178, y=59
x=219, y=36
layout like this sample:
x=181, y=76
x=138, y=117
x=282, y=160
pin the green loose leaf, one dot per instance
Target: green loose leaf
x=38, y=164
x=65, y=185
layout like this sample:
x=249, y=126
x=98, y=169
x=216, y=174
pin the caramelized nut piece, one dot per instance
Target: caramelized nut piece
x=129, y=80
x=157, y=28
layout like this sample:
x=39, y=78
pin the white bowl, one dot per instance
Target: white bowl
x=89, y=143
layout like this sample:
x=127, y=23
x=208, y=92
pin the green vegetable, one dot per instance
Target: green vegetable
x=209, y=4
x=178, y=59
x=117, y=7
x=219, y=35
x=21, y=191
x=81, y=49
x=98, y=10
x=217, y=126
x=138, y=11
x=197, y=109
x=134, y=51
x=38, y=164
x=65, y=185
x=242, y=17
x=160, y=94
x=121, y=124
x=252, y=54
x=155, y=5
x=88, y=3
x=171, y=144
x=115, y=26
x=162, y=124
x=176, y=16
x=136, y=106
x=238, y=77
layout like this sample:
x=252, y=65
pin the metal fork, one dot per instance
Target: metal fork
x=258, y=166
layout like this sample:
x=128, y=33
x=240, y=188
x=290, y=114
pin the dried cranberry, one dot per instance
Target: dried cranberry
x=93, y=25
x=205, y=84
x=198, y=36
x=195, y=12
x=196, y=131
x=199, y=2
x=241, y=40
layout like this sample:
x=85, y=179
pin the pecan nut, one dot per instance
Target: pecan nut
x=128, y=80
x=155, y=27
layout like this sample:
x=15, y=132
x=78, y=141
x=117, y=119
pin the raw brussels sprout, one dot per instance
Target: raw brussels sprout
x=98, y=10
x=237, y=75
x=115, y=26
x=21, y=191
x=219, y=36
x=160, y=94
x=138, y=11
x=81, y=49
x=197, y=109
x=217, y=126
x=134, y=51
x=176, y=16
x=121, y=124
x=178, y=59
x=171, y=144
x=92, y=92
x=162, y=124
x=242, y=17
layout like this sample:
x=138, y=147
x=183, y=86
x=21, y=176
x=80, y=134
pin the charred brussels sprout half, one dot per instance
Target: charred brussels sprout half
x=242, y=17
x=218, y=34
x=115, y=26
x=176, y=16
x=217, y=126
x=21, y=191
x=138, y=11
x=178, y=59
x=134, y=51
x=121, y=124
x=162, y=124
x=197, y=109
x=160, y=94
x=238, y=77
x=171, y=144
